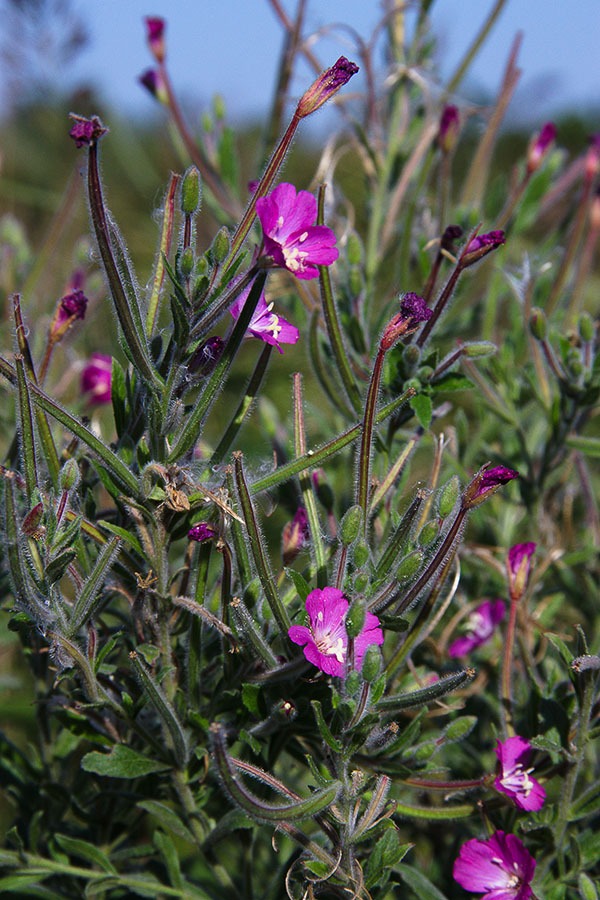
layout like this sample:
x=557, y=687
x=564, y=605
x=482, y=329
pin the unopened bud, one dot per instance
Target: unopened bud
x=361, y=583
x=448, y=497
x=31, y=522
x=361, y=553
x=518, y=565
x=350, y=525
x=186, y=262
x=449, y=126
x=428, y=533
x=295, y=536
x=409, y=566
x=69, y=475
x=155, y=35
x=586, y=327
x=480, y=246
x=485, y=483
x=538, y=324
x=371, y=663
x=412, y=356
x=540, y=146
x=355, y=617
x=219, y=107
x=154, y=82
x=478, y=349
x=354, y=249
x=190, y=191
x=220, y=245
x=326, y=86
x=352, y=683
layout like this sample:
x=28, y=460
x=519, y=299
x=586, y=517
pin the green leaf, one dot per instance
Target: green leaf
x=326, y=734
x=423, y=409
x=250, y=695
x=125, y=535
x=168, y=851
x=20, y=880
x=167, y=818
x=588, y=445
x=562, y=648
x=387, y=852
x=87, y=600
x=121, y=762
x=55, y=569
x=302, y=588
x=421, y=885
x=84, y=850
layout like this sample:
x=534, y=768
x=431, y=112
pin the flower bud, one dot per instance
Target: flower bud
x=448, y=497
x=586, y=327
x=371, y=663
x=451, y=234
x=361, y=553
x=352, y=683
x=409, y=566
x=538, y=324
x=540, y=146
x=354, y=249
x=355, y=617
x=411, y=356
x=480, y=246
x=413, y=309
x=350, y=525
x=70, y=308
x=326, y=86
x=69, y=475
x=485, y=483
x=154, y=82
x=361, y=583
x=86, y=131
x=186, y=262
x=428, y=533
x=478, y=349
x=31, y=522
x=190, y=191
x=155, y=35
x=220, y=245
x=518, y=564
x=295, y=536
x=449, y=126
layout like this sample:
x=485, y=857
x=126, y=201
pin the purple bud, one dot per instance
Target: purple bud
x=486, y=483
x=154, y=83
x=326, y=86
x=540, y=146
x=74, y=305
x=200, y=532
x=518, y=565
x=451, y=234
x=480, y=246
x=413, y=309
x=86, y=131
x=449, y=124
x=155, y=34
x=207, y=356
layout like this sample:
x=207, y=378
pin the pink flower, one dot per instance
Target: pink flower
x=519, y=563
x=501, y=868
x=413, y=309
x=96, y=379
x=514, y=779
x=265, y=324
x=485, y=483
x=291, y=239
x=326, y=86
x=540, y=146
x=480, y=627
x=200, y=532
x=326, y=639
x=155, y=34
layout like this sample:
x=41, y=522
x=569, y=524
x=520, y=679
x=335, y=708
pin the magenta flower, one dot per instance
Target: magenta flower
x=519, y=563
x=491, y=239
x=96, y=379
x=501, y=868
x=290, y=237
x=413, y=309
x=325, y=637
x=86, y=131
x=449, y=123
x=295, y=536
x=155, y=35
x=200, y=532
x=265, y=324
x=326, y=86
x=540, y=146
x=514, y=778
x=480, y=627
x=485, y=483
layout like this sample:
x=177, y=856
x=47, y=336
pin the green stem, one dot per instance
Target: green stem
x=506, y=703
x=364, y=459
x=306, y=487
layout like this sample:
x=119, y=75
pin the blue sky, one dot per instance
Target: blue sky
x=232, y=46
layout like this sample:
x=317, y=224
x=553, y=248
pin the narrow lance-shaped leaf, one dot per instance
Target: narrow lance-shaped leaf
x=252, y=804
x=88, y=598
x=166, y=235
x=119, y=471
x=258, y=550
x=434, y=691
x=163, y=708
x=247, y=632
x=26, y=422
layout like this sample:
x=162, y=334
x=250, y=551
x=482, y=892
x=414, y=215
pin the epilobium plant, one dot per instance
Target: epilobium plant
x=290, y=673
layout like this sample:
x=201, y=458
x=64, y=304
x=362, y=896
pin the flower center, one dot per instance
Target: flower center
x=478, y=625
x=329, y=646
x=517, y=780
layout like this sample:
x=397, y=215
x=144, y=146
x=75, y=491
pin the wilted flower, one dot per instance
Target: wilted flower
x=449, y=123
x=479, y=626
x=326, y=639
x=501, y=868
x=480, y=246
x=96, y=379
x=514, y=779
x=155, y=34
x=486, y=483
x=326, y=86
x=265, y=324
x=153, y=81
x=86, y=131
x=540, y=146
x=70, y=308
x=295, y=536
x=413, y=309
x=200, y=532
x=290, y=237
x=519, y=563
